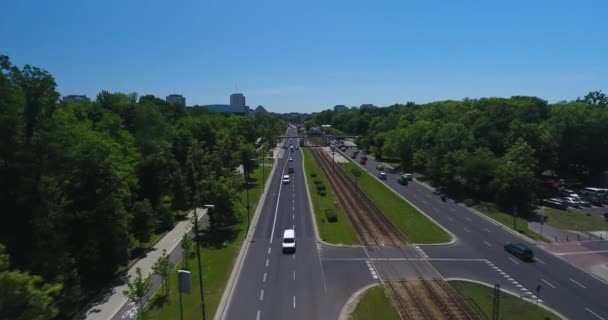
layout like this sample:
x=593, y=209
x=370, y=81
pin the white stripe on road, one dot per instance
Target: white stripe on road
x=257, y=317
x=262, y=295
x=294, y=302
x=595, y=314
x=579, y=252
x=435, y=209
x=264, y=279
x=293, y=208
x=294, y=275
x=268, y=250
x=424, y=201
x=513, y=260
x=487, y=243
x=537, y=259
x=266, y=262
x=294, y=256
x=467, y=230
x=468, y=218
x=450, y=218
x=582, y=286
x=486, y=230
x=547, y=282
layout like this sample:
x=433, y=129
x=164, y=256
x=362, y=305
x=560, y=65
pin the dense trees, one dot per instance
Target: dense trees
x=491, y=148
x=83, y=185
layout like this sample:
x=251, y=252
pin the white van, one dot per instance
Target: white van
x=289, y=241
x=286, y=179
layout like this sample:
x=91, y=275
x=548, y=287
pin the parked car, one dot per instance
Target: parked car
x=555, y=203
x=571, y=202
x=520, y=250
x=382, y=175
x=380, y=167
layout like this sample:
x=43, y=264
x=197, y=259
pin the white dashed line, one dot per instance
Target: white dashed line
x=537, y=259
x=294, y=302
x=294, y=256
x=424, y=201
x=293, y=216
x=450, y=218
x=435, y=209
x=267, y=262
x=468, y=218
x=257, y=317
x=545, y=281
x=452, y=209
x=294, y=275
x=262, y=295
x=467, y=230
x=268, y=250
x=264, y=278
x=582, y=286
x=514, y=261
x=595, y=314
x=486, y=230
x=293, y=208
x=487, y=243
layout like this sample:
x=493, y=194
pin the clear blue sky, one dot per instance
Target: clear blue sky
x=309, y=55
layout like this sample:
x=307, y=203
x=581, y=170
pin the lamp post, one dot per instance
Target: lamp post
x=246, y=172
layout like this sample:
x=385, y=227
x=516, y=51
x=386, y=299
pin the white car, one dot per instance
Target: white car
x=572, y=202
x=289, y=241
x=286, y=179
x=290, y=159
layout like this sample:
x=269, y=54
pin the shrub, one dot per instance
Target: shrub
x=468, y=202
x=331, y=216
x=321, y=187
x=313, y=174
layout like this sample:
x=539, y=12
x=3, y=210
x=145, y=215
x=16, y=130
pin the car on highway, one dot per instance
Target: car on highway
x=382, y=175
x=286, y=179
x=290, y=159
x=289, y=241
x=520, y=250
x=403, y=180
x=290, y=170
x=297, y=147
x=380, y=167
x=363, y=161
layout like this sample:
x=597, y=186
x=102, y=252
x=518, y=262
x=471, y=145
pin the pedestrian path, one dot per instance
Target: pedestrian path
x=113, y=300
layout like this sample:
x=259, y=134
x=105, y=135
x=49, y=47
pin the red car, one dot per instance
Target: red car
x=363, y=162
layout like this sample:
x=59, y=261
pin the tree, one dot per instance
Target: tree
x=594, y=98
x=24, y=296
x=162, y=267
x=137, y=289
x=143, y=222
x=187, y=244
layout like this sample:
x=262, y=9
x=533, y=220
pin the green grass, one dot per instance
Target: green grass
x=414, y=225
x=218, y=257
x=339, y=232
x=375, y=305
x=480, y=297
x=574, y=220
x=489, y=209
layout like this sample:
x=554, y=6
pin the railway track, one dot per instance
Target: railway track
x=422, y=299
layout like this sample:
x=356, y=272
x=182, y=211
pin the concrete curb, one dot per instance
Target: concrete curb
x=348, y=307
x=220, y=312
x=542, y=305
x=314, y=219
x=454, y=238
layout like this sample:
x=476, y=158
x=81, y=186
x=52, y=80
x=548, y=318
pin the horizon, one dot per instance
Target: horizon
x=312, y=56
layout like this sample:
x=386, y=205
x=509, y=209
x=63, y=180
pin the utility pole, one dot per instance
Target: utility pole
x=496, y=302
x=198, y=242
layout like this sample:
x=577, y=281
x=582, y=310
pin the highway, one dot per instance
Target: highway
x=563, y=287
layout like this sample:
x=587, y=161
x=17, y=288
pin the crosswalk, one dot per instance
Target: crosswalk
x=526, y=293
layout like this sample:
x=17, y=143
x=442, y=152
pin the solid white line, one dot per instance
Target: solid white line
x=468, y=218
x=582, y=286
x=545, y=281
x=579, y=252
x=294, y=275
x=486, y=230
x=262, y=295
x=264, y=278
x=294, y=302
x=405, y=259
x=266, y=262
x=450, y=218
x=595, y=314
x=487, y=243
x=467, y=230
x=513, y=260
x=257, y=317
x=276, y=210
x=537, y=259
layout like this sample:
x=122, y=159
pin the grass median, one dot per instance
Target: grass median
x=481, y=297
x=416, y=227
x=218, y=256
x=374, y=304
x=577, y=221
x=339, y=232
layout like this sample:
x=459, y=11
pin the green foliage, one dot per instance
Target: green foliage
x=143, y=223
x=137, y=288
x=162, y=267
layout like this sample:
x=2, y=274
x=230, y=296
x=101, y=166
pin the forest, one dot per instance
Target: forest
x=84, y=187
x=493, y=149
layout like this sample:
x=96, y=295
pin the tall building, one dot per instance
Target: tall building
x=237, y=100
x=76, y=98
x=176, y=99
x=340, y=108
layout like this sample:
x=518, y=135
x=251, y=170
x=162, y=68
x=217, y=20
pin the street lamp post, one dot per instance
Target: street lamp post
x=198, y=256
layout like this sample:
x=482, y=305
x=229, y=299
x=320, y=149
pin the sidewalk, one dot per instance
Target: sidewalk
x=113, y=300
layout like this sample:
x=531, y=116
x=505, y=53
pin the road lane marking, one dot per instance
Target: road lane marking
x=268, y=250
x=547, y=282
x=467, y=230
x=537, y=259
x=582, y=286
x=267, y=262
x=452, y=209
x=257, y=317
x=595, y=314
x=262, y=295
x=264, y=278
x=424, y=201
x=435, y=209
x=294, y=302
x=579, y=252
x=486, y=230
x=468, y=218
x=294, y=275
x=293, y=216
x=294, y=256
x=450, y=218
x=513, y=260
x=487, y=243
x=293, y=208
x=276, y=210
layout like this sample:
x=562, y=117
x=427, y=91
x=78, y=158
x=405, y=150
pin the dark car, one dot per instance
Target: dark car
x=363, y=161
x=520, y=250
x=290, y=170
x=403, y=180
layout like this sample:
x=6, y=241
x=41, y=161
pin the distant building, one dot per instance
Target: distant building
x=76, y=98
x=260, y=109
x=226, y=108
x=176, y=99
x=237, y=100
x=340, y=108
x=367, y=106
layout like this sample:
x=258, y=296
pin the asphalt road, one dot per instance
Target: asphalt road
x=563, y=287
